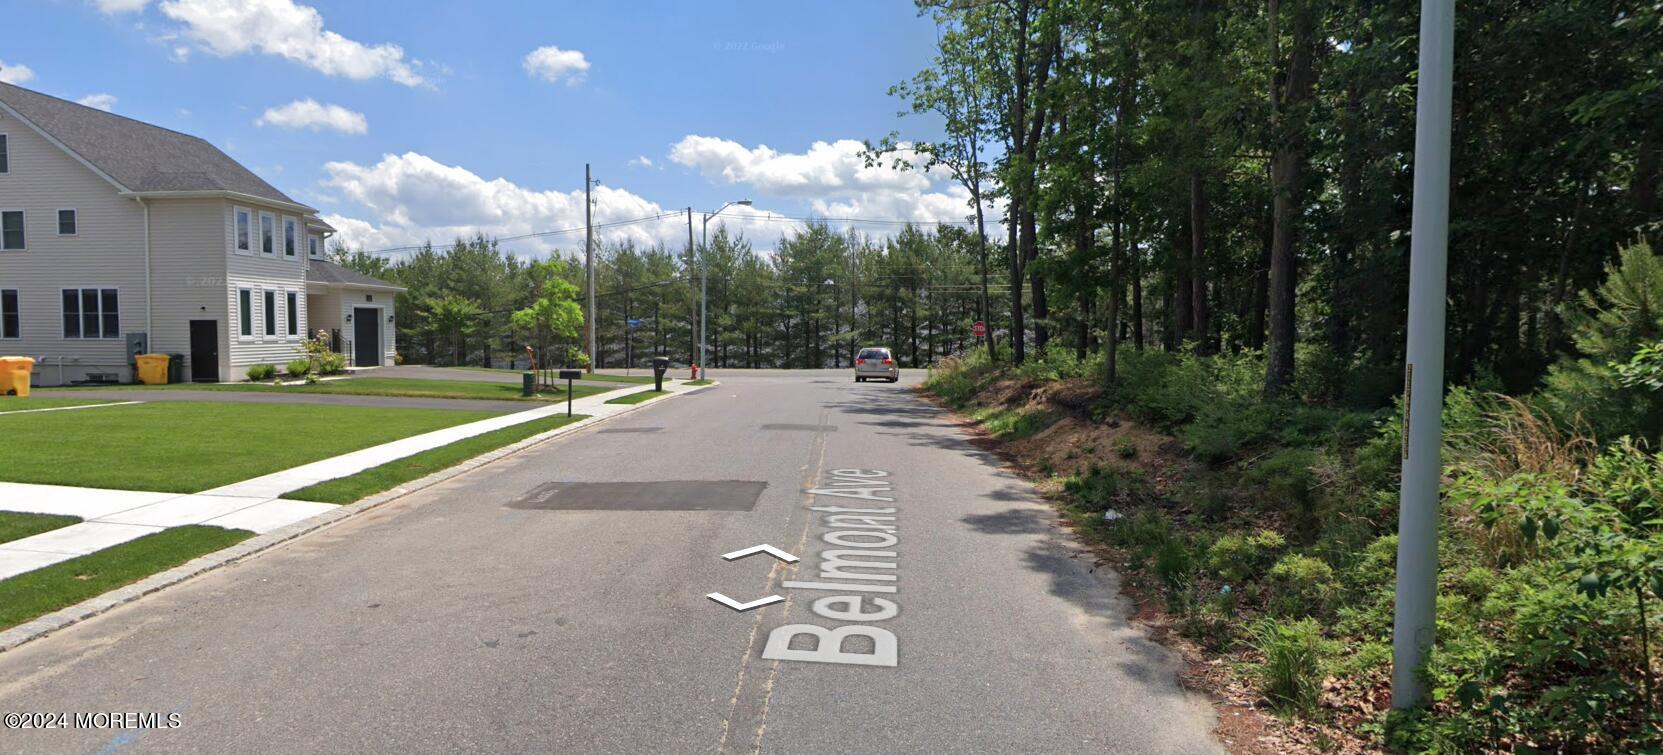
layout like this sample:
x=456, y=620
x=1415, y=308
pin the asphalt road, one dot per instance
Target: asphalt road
x=478, y=615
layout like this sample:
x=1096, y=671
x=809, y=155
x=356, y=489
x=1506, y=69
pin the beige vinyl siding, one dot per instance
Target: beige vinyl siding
x=325, y=310
x=187, y=259
x=353, y=298
x=275, y=273
x=107, y=251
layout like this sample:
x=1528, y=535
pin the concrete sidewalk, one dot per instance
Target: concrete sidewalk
x=117, y=516
x=422, y=372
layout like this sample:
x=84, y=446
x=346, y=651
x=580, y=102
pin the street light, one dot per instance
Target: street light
x=704, y=276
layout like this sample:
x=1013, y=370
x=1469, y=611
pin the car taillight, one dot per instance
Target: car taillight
x=888, y=361
x=860, y=361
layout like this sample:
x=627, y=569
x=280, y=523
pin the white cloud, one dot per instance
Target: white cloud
x=832, y=176
x=411, y=198
x=14, y=73
x=100, y=101
x=554, y=65
x=316, y=116
x=113, y=7
x=284, y=28
x=642, y=161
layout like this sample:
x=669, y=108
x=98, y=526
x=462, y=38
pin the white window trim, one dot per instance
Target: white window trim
x=17, y=293
x=245, y=338
x=269, y=317
x=291, y=308
x=253, y=232
x=57, y=217
x=314, y=252
x=25, y=247
x=283, y=241
x=82, y=314
x=8, y=167
x=261, y=246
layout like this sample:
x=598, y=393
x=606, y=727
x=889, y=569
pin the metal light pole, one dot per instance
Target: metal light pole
x=704, y=277
x=589, y=261
x=1423, y=380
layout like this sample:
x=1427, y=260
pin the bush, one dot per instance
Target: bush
x=1300, y=586
x=300, y=367
x=1238, y=559
x=331, y=364
x=1126, y=449
x=1290, y=676
x=1175, y=567
x=1102, y=488
x=258, y=372
x=1288, y=478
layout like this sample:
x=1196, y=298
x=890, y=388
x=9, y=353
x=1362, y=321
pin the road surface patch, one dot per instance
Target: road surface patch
x=631, y=430
x=685, y=495
x=801, y=428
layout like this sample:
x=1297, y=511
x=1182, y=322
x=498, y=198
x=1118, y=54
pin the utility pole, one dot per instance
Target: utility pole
x=1423, y=380
x=589, y=261
x=693, y=353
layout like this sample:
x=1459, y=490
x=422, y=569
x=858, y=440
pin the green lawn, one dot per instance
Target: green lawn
x=701, y=381
x=42, y=591
x=637, y=379
x=636, y=398
x=15, y=526
x=16, y=404
x=377, y=386
x=190, y=446
x=392, y=474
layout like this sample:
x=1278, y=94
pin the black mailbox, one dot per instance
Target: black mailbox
x=569, y=376
x=659, y=366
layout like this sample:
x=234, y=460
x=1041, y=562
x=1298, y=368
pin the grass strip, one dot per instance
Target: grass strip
x=376, y=386
x=601, y=376
x=189, y=446
x=42, y=591
x=394, y=473
x=700, y=381
x=637, y=397
x=16, y=526
x=18, y=404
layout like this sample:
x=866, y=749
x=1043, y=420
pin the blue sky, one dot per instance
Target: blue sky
x=407, y=120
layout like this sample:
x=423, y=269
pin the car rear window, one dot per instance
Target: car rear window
x=874, y=354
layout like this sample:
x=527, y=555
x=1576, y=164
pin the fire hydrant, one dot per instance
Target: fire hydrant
x=695, y=371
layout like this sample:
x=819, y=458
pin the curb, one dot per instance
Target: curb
x=44, y=625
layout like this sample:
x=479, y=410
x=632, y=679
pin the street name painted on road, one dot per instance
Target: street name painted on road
x=864, y=557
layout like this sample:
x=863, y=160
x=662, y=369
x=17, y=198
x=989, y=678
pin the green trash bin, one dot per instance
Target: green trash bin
x=176, y=368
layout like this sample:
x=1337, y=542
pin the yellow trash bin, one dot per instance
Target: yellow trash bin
x=14, y=375
x=152, y=368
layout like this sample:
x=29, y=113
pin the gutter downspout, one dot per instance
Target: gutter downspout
x=149, y=306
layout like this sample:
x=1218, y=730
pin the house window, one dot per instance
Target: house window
x=11, y=229
x=294, y=313
x=314, y=246
x=66, y=223
x=271, y=313
x=291, y=237
x=91, y=313
x=245, y=312
x=5, y=155
x=244, y=228
x=8, y=314
x=268, y=234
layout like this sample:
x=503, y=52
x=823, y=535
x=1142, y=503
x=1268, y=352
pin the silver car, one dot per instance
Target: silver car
x=876, y=364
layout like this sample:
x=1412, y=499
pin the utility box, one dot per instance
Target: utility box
x=137, y=343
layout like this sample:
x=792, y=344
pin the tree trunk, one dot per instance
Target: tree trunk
x=1285, y=166
x=1201, y=315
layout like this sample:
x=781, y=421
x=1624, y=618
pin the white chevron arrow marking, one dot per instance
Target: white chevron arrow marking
x=742, y=607
x=768, y=549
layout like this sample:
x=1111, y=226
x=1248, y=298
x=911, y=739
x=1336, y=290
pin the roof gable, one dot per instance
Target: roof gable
x=133, y=154
x=324, y=271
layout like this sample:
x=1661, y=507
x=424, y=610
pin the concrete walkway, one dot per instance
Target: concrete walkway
x=118, y=516
x=278, y=396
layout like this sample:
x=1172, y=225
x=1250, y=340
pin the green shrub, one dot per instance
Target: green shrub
x=1290, y=675
x=1299, y=586
x=259, y=372
x=331, y=364
x=1102, y=488
x=1126, y=449
x=1239, y=559
x=1288, y=477
x=300, y=367
x=1175, y=567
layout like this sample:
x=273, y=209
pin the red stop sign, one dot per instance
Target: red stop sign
x=979, y=329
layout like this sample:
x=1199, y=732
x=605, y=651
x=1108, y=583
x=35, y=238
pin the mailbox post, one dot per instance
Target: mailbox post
x=659, y=366
x=569, y=376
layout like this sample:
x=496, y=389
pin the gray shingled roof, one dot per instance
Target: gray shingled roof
x=137, y=155
x=323, y=271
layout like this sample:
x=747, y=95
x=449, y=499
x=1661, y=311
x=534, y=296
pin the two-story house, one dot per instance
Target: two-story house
x=116, y=232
